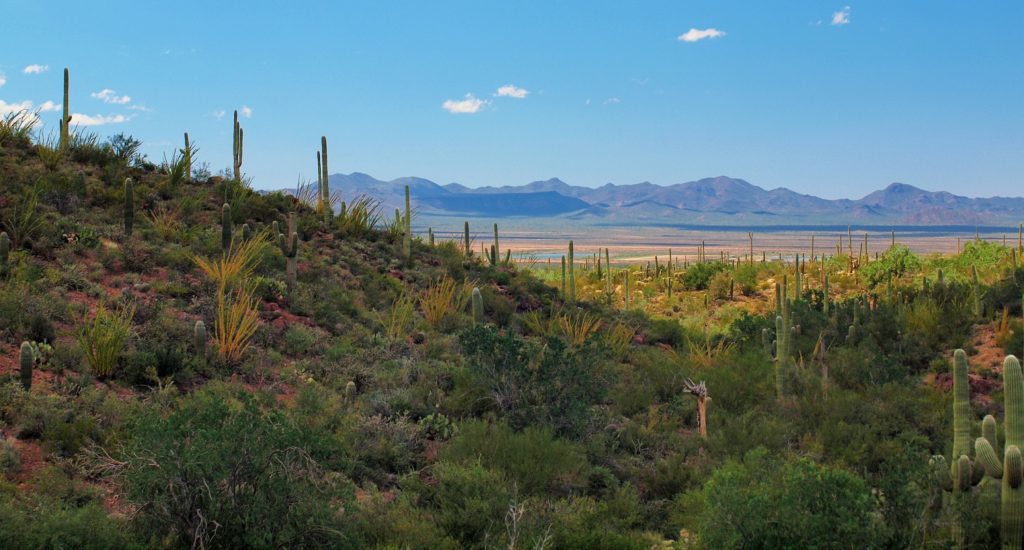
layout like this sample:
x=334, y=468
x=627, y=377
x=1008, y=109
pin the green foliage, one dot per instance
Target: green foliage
x=892, y=265
x=550, y=385
x=104, y=336
x=767, y=502
x=698, y=276
x=220, y=470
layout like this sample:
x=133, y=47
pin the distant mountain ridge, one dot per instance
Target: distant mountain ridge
x=718, y=200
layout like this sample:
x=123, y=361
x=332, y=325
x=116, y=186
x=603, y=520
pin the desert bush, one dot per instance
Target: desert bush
x=766, y=502
x=534, y=459
x=698, y=276
x=220, y=471
x=893, y=264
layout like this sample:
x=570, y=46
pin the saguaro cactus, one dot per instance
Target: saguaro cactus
x=187, y=154
x=1010, y=470
x=625, y=289
x=478, y=307
x=26, y=359
x=564, y=295
x=239, y=139
x=5, y=251
x=608, y=277
x=572, y=275
x=199, y=338
x=325, y=189
x=496, y=251
x=976, y=292
x=227, y=227
x=129, y=207
x=289, y=246
x=65, y=119
x=407, y=229
x=824, y=296
x=465, y=239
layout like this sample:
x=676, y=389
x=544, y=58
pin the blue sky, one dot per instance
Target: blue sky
x=828, y=98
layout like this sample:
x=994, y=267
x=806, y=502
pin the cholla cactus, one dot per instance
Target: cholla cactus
x=1010, y=470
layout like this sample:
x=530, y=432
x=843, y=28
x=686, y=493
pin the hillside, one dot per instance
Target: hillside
x=185, y=362
x=712, y=201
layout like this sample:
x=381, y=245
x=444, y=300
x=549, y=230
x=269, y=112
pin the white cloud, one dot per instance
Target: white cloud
x=10, y=108
x=612, y=101
x=50, y=106
x=218, y=114
x=246, y=111
x=78, y=119
x=142, y=108
x=107, y=95
x=3, y=79
x=36, y=69
x=841, y=17
x=694, y=35
x=467, y=105
x=509, y=90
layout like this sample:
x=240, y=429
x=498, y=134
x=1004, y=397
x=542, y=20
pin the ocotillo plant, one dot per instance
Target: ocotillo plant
x=1009, y=470
x=65, y=119
x=325, y=189
x=237, y=148
x=26, y=359
x=129, y=207
x=227, y=228
x=407, y=229
x=187, y=154
x=478, y=307
x=572, y=275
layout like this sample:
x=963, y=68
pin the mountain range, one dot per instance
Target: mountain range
x=714, y=201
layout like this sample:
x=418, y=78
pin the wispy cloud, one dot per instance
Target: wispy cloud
x=107, y=95
x=3, y=79
x=245, y=111
x=78, y=119
x=466, y=105
x=50, y=106
x=36, y=69
x=612, y=101
x=142, y=108
x=841, y=17
x=218, y=114
x=509, y=90
x=694, y=35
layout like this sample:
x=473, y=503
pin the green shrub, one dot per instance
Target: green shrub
x=219, y=459
x=698, y=276
x=533, y=459
x=766, y=502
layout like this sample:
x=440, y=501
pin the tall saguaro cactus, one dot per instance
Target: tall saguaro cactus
x=564, y=295
x=572, y=275
x=5, y=251
x=187, y=154
x=407, y=229
x=325, y=189
x=465, y=239
x=1010, y=470
x=65, y=119
x=289, y=245
x=129, y=207
x=237, y=149
x=496, y=252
